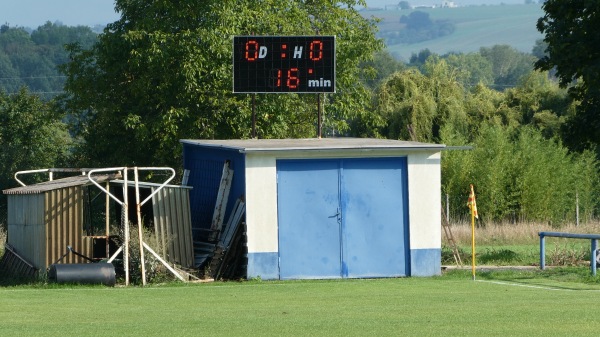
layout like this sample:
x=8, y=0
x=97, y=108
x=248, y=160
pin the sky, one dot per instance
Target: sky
x=34, y=13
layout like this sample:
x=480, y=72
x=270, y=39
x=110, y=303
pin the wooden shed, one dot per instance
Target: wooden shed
x=327, y=208
x=46, y=218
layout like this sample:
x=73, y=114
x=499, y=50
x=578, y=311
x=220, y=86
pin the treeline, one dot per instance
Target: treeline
x=518, y=164
x=30, y=59
x=418, y=27
x=130, y=105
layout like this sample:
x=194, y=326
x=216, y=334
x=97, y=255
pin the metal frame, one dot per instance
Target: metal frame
x=593, y=250
x=125, y=218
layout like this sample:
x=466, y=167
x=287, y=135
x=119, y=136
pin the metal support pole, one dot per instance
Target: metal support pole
x=542, y=251
x=138, y=208
x=126, y=227
x=319, y=117
x=594, y=248
x=253, y=116
x=107, y=210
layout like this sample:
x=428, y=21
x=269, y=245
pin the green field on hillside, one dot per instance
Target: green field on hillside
x=476, y=27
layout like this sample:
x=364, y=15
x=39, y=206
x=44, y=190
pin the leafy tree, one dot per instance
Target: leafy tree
x=404, y=5
x=474, y=68
x=163, y=72
x=416, y=105
x=574, y=50
x=508, y=64
x=541, y=103
x=31, y=59
x=32, y=136
x=419, y=59
x=419, y=27
x=416, y=20
x=539, y=49
x=521, y=176
x=382, y=66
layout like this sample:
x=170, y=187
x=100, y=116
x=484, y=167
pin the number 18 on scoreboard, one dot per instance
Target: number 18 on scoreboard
x=301, y=64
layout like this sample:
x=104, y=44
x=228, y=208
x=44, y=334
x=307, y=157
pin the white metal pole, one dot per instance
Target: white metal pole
x=107, y=210
x=138, y=207
x=126, y=229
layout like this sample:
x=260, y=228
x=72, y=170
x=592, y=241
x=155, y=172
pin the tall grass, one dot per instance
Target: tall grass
x=512, y=234
x=518, y=245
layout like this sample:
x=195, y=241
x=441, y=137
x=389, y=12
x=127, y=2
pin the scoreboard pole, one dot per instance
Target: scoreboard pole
x=319, y=117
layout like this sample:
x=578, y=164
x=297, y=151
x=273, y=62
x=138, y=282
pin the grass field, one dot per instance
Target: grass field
x=512, y=302
x=515, y=304
x=476, y=27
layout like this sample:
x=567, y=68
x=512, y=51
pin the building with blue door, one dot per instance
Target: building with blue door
x=327, y=208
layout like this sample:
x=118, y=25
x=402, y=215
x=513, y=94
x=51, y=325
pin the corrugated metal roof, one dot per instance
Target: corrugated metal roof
x=308, y=144
x=58, y=184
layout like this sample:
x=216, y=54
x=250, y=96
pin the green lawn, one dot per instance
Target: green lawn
x=502, y=304
x=559, y=252
x=476, y=27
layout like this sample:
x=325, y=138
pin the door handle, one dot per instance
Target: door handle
x=338, y=216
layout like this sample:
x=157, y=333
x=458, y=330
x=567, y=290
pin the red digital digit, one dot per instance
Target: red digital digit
x=293, y=81
x=278, y=77
x=316, y=55
x=251, y=50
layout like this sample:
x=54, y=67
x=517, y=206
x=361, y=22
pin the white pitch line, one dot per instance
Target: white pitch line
x=536, y=287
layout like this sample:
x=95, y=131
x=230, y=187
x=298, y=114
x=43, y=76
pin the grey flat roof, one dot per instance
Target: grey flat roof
x=58, y=184
x=262, y=145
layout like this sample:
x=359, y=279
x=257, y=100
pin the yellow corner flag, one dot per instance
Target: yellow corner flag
x=472, y=204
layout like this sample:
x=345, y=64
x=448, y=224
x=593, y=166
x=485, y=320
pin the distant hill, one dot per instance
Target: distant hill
x=476, y=27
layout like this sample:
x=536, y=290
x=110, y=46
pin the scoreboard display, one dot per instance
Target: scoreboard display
x=283, y=64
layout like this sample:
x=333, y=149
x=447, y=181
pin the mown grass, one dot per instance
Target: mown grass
x=453, y=305
x=511, y=302
x=476, y=27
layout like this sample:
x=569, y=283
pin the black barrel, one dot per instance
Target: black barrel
x=83, y=273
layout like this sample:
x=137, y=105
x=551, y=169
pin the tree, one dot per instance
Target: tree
x=573, y=49
x=404, y=5
x=416, y=20
x=474, y=68
x=32, y=136
x=31, y=60
x=508, y=64
x=163, y=72
x=382, y=66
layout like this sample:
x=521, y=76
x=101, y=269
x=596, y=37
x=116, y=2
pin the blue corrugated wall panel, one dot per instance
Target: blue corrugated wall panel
x=206, y=167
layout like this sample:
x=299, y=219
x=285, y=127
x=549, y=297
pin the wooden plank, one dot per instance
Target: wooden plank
x=222, y=197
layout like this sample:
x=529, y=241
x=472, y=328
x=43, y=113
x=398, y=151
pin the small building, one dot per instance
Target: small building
x=47, y=218
x=326, y=208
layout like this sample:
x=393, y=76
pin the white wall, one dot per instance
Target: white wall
x=424, y=202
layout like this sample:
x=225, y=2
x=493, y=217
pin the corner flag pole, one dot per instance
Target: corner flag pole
x=473, y=207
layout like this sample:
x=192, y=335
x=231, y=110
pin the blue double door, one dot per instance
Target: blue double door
x=342, y=218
